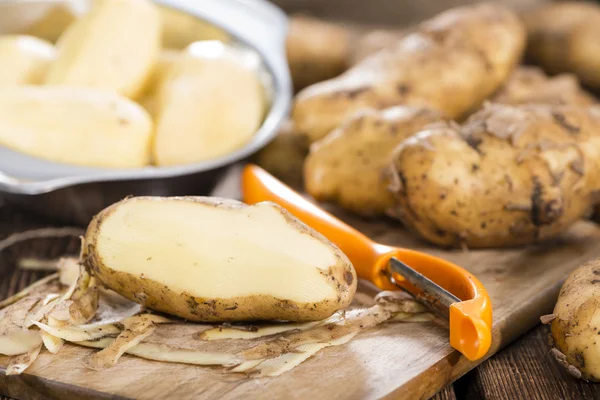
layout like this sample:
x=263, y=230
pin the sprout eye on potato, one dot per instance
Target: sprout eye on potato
x=508, y=176
x=210, y=259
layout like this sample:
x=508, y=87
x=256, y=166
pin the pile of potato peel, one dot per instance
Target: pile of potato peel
x=70, y=307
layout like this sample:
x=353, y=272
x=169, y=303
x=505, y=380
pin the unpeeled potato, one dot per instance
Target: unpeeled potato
x=24, y=59
x=350, y=166
x=207, y=106
x=575, y=323
x=114, y=46
x=81, y=126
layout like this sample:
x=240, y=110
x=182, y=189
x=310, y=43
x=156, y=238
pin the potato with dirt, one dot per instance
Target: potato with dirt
x=452, y=62
x=575, y=323
x=211, y=259
x=530, y=85
x=350, y=166
x=565, y=37
x=284, y=156
x=510, y=175
x=316, y=50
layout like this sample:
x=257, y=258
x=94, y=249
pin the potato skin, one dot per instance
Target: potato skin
x=316, y=50
x=530, y=85
x=349, y=166
x=157, y=296
x=508, y=176
x=576, y=322
x=452, y=62
x=565, y=37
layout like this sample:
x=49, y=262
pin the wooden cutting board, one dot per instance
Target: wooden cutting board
x=400, y=360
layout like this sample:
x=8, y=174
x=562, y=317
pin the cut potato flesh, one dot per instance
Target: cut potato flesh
x=81, y=126
x=211, y=259
x=112, y=47
x=213, y=103
x=24, y=59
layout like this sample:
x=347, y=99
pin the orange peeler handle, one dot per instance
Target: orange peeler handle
x=470, y=319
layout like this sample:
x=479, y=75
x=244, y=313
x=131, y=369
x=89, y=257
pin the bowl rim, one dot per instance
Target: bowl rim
x=280, y=104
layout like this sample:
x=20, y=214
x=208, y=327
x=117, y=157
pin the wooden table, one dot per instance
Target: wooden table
x=524, y=370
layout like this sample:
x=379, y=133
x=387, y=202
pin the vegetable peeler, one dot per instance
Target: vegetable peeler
x=443, y=286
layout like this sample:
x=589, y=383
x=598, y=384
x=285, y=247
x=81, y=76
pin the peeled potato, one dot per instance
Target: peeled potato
x=207, y=106
x=166, y=58
x=54, y=22
x=24, y=59
x=114, y=46
x=180, y=29
x=81, y=126
x=212, y=259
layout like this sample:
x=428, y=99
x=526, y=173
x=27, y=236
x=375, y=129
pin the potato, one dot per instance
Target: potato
x=508, y=176
x=24, y=59
x=575, y=322
x=82, y=126
x=374, y=41
x=180, y=29
x=452, y=62
x=350, y=165
x=166, y=58
x=284, y=156
x=316, y=50
x=114, y=47
x=207, y=106
x=212, y=259
x=53, y=22
x=565, y=37
x=529, y=85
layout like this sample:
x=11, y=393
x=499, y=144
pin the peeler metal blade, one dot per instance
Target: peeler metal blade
x=429, y=293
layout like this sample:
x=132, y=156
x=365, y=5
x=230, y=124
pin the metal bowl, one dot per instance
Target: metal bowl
x=74, y=194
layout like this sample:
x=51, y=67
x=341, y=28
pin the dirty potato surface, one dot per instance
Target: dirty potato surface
x=316, y=50
x=530, y=85
x=508, y=176
x=350, y=166
x=565, y=37
x=211, y=259
x=575, y=322
x=452, y=62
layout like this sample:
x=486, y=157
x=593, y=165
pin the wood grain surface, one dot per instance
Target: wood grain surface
x=398, y=360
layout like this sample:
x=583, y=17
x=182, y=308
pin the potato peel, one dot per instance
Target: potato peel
x=19, y=363
x=117, y=326
x=137, y=328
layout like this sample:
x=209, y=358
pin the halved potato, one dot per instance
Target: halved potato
x=81, y=126
x=114, y=46
x=212, y=259
x=24, y=59
x=210, y=103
